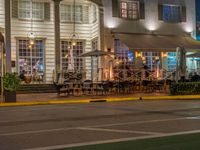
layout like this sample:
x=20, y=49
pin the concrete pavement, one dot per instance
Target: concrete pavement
x=57, y=126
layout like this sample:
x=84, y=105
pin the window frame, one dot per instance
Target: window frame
x=171, y=20
x=94, y=9
x=128, y=10
x=30, y=10
x=81, y=21
x=76, y=58
x=28, y=49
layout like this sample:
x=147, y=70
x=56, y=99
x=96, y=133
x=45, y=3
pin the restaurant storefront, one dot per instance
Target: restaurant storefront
x=154, y=53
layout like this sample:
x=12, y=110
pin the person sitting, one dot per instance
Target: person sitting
x=22, y=75
x=35, y=75
x=195, y=77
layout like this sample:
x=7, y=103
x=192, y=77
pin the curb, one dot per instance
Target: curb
x=58, y=102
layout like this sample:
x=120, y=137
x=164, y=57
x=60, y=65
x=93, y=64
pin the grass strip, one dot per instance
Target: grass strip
x=179, y=142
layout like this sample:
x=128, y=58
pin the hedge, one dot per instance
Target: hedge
x=185, y=88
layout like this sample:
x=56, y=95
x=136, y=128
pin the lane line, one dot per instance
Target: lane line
x=120, y=131
x=36, y=132
x=139, y=122
x=113, y=140
x=95, y=126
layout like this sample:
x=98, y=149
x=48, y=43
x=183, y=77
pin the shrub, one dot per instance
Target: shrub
x=11, y=82
x=185, y=88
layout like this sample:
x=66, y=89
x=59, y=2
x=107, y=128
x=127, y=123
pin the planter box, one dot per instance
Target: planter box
x=10, y=96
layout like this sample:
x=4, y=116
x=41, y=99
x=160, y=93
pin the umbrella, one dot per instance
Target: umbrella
x=95, y=53
x=197, y=55
x=1, y=38
x=70, y=60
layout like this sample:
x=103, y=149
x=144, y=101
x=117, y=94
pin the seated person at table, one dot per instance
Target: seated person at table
x=22, y=75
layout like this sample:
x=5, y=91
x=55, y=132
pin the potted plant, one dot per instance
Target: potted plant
x=11, y=83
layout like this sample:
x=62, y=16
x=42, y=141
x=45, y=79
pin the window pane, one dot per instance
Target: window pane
x=66, y=13
x=77, y=50
x=78, y=13
x=129, y=9
x=24, y=9
x=38, y=10
x=171, y=13
x=31, y=60
x=28, y=10
x=171, y=61
x=123, y=5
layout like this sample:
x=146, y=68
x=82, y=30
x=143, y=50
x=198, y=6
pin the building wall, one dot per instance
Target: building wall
x=45, y=30
x=151, y=24
x=151, y=21
x=2, y=14
x=86, y=32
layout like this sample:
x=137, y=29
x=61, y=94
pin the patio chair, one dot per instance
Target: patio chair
x=87, y=87
x=107, y=87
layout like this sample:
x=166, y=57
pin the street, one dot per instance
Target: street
x=61, y=126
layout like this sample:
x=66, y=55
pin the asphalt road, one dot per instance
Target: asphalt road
x=58, y=126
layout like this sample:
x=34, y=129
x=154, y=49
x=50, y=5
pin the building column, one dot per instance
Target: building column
x=8, y=35
x=101, y=42
x=57, y=35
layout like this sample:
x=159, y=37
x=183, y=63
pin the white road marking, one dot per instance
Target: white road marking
x=35, y=132
x=139, y=122
x=95, y=126
x=119, y=131
x=194, y=118
x=113, y=140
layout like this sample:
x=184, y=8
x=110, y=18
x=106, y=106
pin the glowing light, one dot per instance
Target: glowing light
x=188, y=28
x=30, y=46
x=31, y=42
x=74, y=43
x=164, y=54
x=110, y=23
x=151, y=25
x=138, y=54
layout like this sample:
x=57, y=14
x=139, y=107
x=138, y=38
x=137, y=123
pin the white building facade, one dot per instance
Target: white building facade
x=139, y=32
x=52, y=23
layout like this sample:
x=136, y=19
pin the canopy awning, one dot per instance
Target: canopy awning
x=158, y=42
x=1, y=34
x=194, y=55
x=1, y=38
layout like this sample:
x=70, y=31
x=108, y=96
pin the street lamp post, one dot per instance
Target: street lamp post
x=2, y=65
x=2, y=72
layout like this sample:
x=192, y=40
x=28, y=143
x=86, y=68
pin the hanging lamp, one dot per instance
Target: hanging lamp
x=31, y=35
x=74, y=36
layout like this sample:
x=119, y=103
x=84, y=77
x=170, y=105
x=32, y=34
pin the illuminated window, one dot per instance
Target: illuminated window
x=31, y=10
x=171, y=13
x=151, y=59
x=77, y=51
x=95, y=59
x=30, y=59
x=129, y=9
x=171, y=61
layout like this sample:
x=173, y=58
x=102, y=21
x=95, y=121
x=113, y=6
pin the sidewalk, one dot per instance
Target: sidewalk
x=53, y=98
